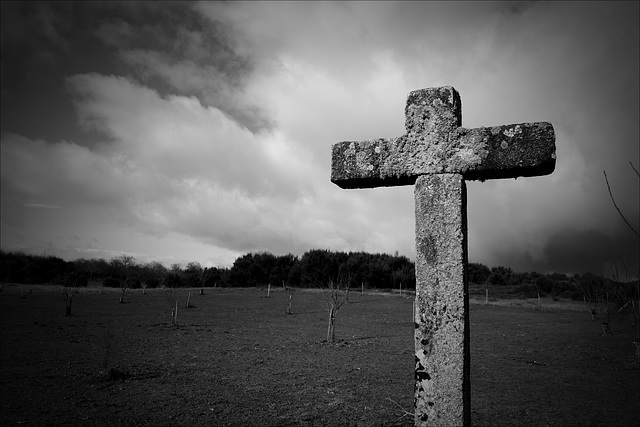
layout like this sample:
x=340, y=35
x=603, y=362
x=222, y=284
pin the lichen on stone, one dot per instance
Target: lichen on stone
x=435, y=143
x=511, y=132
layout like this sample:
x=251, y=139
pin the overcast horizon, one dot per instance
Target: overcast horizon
x=178, y=131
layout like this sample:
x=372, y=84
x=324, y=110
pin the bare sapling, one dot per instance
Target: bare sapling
x=592, y=287
x=606, y=328
x=205, y=276
x=174, y=313
x=122, y=265
x=70, y=288
x=170, y=283
x=624, y=289
x=124, y=285
x=632, y=285
x=335, y=296
x=636, y=321
x=4, y=277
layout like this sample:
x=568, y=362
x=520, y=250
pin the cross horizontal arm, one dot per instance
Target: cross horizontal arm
x=509, y=151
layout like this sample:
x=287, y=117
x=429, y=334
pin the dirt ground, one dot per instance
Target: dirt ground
x=237, y=359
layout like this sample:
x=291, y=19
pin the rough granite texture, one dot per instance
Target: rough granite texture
x=438, y=155
x=442, y=390
x=435, y=143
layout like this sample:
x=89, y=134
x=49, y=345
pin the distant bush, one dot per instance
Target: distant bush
x=577, y=296
x=496, y=278
x=74, y=279
x=545, y=284
x=133, y=282
x=565, y=289
x=478, y=273
x=519, y=278
x=83, y=280
x=111, y=282
x=527, y=290
x=152, y=283
x=172, y=280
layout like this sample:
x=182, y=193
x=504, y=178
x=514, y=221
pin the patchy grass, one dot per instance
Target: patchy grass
x=236, y=358
x=544, y=304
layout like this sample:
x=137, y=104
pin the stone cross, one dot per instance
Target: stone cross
x=438, y=155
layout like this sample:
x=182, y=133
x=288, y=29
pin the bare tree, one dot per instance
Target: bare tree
x=615, y=205
x=593, y=288
x=335, y=296
x=123, y=265
x=627, y=286
x=289, y=298
x=625, y=290
x=206, y=274
x=71, y=283
x=171, y=281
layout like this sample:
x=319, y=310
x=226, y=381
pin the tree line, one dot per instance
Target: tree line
x=314, y=268
x=588, y=286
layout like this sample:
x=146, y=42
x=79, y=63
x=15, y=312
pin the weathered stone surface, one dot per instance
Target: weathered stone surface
x=442, y=395
x=435, y=143
x=438, y=155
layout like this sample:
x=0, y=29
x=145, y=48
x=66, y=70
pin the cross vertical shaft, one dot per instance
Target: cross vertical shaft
x=442, y=389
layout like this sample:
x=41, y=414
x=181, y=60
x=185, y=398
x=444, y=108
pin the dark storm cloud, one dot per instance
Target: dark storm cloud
x=168, y=45
x=176, y=50
x=580, y=251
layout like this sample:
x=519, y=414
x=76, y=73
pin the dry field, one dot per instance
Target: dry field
x=237, y=359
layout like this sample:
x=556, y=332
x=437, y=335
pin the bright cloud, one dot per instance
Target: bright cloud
x=206, y=128
x=175, y=166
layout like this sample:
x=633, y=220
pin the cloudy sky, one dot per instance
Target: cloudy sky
x=181, y=132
